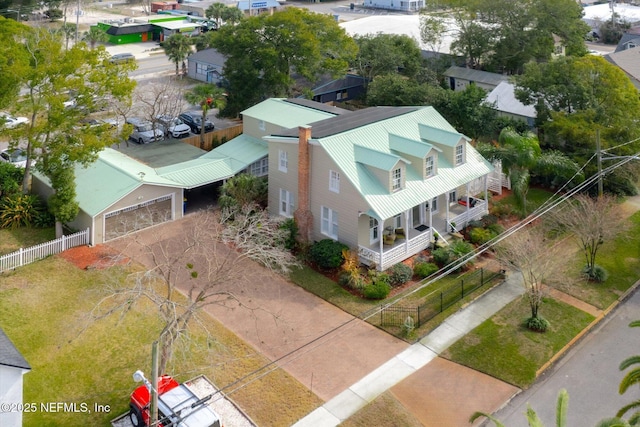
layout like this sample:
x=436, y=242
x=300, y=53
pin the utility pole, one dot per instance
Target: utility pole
x=599, y=159
x=153, y=421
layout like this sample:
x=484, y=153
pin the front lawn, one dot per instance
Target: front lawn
x=12, y=239
x=503, y=348
x=42, y=309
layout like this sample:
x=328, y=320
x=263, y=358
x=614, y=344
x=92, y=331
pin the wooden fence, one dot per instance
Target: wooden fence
x=214, y=138
x=34, y=253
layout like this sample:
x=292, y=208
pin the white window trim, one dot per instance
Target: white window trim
x=329, y=223
x=459, y=158
x=286, y=199
x=434, y=205
x=395, y=180
x=283, y=161
x=260, y=168
x=397, y=221
x=261, y=125
x=374, y=230
x=428, y=174
x=453, y=196
x=334, y=181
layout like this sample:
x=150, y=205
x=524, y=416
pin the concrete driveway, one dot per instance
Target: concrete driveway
x=589, y=372
x=323, y=347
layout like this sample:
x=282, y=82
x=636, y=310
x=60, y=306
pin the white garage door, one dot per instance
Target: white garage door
x=137, y=217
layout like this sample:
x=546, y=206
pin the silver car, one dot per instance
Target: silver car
x=144, y=132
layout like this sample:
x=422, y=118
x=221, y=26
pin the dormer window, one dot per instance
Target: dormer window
x=283, y=161
x=396, y=179
x=429, y=168
x=459, y=154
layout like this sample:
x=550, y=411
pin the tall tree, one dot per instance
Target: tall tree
x=55, y=141
x=215, y=12
x=207, y=96
x=177, y=47
x=520, y=154
x=14, y=60
x=575, y=97
x=529, y=253
x=381, y=54
x=265, y=52
x=232, y=15
x=94, y=36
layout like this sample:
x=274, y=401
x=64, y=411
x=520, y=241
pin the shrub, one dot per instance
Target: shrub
x=501, y=210
x=43, y=219
x=424, y=269
x=495, y=228
x=379, y=289
x=291, y=228
x=596, y=273
x=441, y=256
x=327, y=254
x=480, y=236
x=10, y=179
x=400, y=274
x=351, y=270
x=537, y=324
x=475, y=224
x=488, y=220
x=18, y=210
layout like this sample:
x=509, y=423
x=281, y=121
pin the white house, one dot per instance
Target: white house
x=12, y=367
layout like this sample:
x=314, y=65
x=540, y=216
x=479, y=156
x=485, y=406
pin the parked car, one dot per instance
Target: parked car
x=10, y=121
x=174, y=126
x=194, y=120
x=144, y=132
x=17, y=157
x=119, y=58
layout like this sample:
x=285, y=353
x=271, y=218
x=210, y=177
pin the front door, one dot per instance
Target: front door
x=416, y=215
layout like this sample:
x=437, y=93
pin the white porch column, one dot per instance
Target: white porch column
x=486, y=192
x=468, y=202
x=381, y=236
x=406, y=231
x=446, y=225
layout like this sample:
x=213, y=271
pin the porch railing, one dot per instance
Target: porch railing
x=474, y=213
x=397, y=253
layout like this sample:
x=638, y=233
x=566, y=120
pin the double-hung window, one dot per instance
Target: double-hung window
x=374, y=230
x=459, y=154
x=260, y=168
x=428, y=168
x=334, y=181
x=329, y=222
x=286, y=203
x=283, y=161
x=396, y=179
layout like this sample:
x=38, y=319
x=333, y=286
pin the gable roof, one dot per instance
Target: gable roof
x=9, y=354
x=627, y=60
x=289, y=113
x=375, y=158
x=208, y=56
x=372, y=132
x=334, y=85
x=475, y=75
x=410, y=146
x=504, y=99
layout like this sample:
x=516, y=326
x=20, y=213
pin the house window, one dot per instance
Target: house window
x=341, y=95
x=286, y=203
x=428, y=169
x=260, y=168
x=397, y=221
x=459, y=149
x=261, y=125
x=283, y=161
x=374, y=230
x=329, y=222
x=434, y=204
x=201, y=68
x=334, y=181
x=396, y=179
x=452, y=197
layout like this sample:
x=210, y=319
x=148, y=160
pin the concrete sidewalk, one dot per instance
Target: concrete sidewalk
x=415, y=357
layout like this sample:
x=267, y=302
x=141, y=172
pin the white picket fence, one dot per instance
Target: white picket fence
x=34, y=253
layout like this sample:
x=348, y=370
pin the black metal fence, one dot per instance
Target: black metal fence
x=436, y=304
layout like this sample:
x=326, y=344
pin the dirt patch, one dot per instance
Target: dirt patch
x=94, y=258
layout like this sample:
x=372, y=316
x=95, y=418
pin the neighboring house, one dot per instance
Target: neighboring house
x=380, y=180
x=349, y=87
x=629, y=40
x=206, y=66
x=503, y=99
x=559, y=48
x=12, y=368
x=627, y=61
x=403, y=5
x=258, y=7
x=159, y=27
x=459, y=78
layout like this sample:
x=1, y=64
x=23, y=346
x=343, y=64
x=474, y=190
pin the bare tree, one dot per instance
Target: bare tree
x=191, y=272
x=592, y=222
x=160, y=99
x=538, y=259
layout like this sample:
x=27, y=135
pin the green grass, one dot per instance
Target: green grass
x=535, y=198
x=43, y=308
x=13, y=239
x=503, y=348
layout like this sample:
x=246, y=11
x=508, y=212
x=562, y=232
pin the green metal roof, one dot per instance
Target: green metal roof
x=281, y=112
x=377, y=159
x=243, y=148
x=440, y=136
x=409, y=146
x=423, y=123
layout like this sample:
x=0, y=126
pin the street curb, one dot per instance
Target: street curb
x=586, y=330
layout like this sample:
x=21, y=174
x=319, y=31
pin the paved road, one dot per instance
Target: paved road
x=589, y=372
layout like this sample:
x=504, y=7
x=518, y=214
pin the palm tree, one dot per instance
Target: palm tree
x=520, y=154
x=207, y=96
x=216, y=11
x=95, y=35
x=177, y=47
x=532, y=417
x=631, y=378
x=232, y=15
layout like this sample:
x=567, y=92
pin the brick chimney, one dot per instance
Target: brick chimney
x=303, y=215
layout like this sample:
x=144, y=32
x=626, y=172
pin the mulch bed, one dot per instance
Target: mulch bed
x=98, y=257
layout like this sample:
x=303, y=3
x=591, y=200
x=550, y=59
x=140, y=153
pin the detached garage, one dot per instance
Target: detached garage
x=119, y=195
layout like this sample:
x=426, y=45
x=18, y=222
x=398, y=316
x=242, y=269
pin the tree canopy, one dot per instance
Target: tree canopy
x=382, y=54
x=264, y=54
x=503, y=35
x=177, y=48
